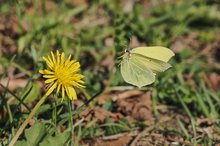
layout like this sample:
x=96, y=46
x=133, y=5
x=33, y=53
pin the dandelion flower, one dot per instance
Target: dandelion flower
x=62, y=75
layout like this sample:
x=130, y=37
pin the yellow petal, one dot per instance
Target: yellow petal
x=71, y=93
x=69, y=57
x=44, y=58
x=81, y=82
x=50, y=80
x=62, y=59
x=70, y=63
x=49, y=76
x=63, y=94
x=58, y=88
x=51, y=89
x=68, y=60
x=58, y=57
x=45, y=71
x=48, y=61
x=73, y=83
x=74, y=67
x=53, y=58
x=41, y=71
x=78, y=76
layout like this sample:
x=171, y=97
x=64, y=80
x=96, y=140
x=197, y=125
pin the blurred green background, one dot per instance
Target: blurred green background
x=96, y=32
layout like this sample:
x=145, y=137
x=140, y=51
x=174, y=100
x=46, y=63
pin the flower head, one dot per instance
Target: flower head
x=62, y=75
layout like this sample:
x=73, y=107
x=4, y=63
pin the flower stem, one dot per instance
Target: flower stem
x=70, y=108
x=24, y=124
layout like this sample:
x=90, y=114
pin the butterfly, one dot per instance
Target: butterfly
x=140, y=65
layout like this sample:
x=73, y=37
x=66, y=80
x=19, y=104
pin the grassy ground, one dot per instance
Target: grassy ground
x=181, y=108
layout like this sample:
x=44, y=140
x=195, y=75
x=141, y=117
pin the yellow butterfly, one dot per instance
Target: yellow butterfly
x=140, y=65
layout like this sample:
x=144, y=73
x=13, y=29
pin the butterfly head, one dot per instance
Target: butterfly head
x=128, y=52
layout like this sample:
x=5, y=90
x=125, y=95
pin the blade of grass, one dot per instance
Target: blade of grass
x=207, y=94
x=20, y=100
x=189, y=114
x=69, y=103
x=182, y=127
x=202, y=105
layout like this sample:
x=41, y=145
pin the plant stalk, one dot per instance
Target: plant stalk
x=24, y=124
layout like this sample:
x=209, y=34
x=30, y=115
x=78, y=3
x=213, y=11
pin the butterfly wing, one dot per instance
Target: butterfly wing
x=155, y=52
x=152, y=64
x=135, y=72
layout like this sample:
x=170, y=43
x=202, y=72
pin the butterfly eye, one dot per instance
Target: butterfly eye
x=128, y=51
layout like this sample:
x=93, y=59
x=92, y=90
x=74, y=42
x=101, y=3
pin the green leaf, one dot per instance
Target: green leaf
x=22, y=143
x=43, y=108
x=33, y=93
x=23, y=42
x=58, y=140
x=35, y=134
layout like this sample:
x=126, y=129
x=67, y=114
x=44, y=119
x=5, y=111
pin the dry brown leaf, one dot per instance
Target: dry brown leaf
x=125, y=107
x=101, y=114
x=143, y=110
x=118, y=95
x=190, y=81
x=108, y=62
x=8, y=33
x=204, y=121
x=127, y=94
x=139, y=108
x=49, y=5
x=192, y=41
x=214, y=80
x=13, y=84
x=109, y=41
x=121, y=141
